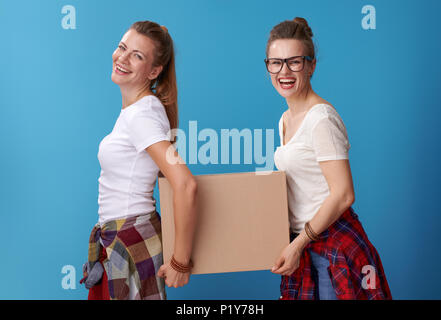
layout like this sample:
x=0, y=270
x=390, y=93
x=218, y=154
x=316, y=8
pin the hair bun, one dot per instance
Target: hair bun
x=304, y=24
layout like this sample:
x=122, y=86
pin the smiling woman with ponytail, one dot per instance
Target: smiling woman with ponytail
x=125, y=251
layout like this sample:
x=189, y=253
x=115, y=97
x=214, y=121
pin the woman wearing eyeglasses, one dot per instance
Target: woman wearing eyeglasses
x=125, y=250
x=329, y=256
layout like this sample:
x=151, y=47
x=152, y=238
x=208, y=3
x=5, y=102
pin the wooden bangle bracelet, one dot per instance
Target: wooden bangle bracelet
x=179, y=267
x=310, y=233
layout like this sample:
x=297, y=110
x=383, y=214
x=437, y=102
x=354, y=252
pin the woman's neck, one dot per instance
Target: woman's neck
x=301, y=102
x=131, y=95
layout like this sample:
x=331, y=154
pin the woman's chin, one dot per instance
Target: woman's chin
x=115, y=79
x=286, y=93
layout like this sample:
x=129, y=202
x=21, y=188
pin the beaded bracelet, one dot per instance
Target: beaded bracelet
x=180, y=267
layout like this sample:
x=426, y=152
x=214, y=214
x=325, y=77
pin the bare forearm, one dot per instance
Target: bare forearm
x=185, y=223
x=329, y=212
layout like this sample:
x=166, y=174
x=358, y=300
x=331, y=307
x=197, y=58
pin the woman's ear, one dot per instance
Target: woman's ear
x=154, y=73
x=313, y=63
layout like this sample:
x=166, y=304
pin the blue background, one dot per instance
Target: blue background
x=58, y=102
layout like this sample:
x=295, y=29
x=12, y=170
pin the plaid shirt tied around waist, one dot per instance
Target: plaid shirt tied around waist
x=355, y=267
x=134, y=254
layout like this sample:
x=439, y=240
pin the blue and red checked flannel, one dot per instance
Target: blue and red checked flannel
x=349, y=250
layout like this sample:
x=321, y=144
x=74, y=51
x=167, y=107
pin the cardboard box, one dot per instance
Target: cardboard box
x=242, y=221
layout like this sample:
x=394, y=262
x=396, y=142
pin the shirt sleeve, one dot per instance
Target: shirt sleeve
x=281, y=130
x=148, y=126
x=330, y=139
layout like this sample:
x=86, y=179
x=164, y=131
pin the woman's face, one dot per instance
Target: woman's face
x=133, y=61
x=289, y=83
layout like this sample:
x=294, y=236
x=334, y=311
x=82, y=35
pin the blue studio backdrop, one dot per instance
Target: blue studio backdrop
x=57, y=102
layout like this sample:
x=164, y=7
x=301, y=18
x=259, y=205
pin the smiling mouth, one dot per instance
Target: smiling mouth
x=287, y=83
x=121, y=70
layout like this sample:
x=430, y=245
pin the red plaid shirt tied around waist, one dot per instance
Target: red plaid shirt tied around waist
x=355, y=267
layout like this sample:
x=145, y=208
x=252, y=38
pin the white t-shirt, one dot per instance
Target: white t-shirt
x=321, y=136
x=128, y=173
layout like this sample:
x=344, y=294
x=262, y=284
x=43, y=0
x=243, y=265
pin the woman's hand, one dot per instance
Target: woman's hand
x=289, y=259
x=172, y=277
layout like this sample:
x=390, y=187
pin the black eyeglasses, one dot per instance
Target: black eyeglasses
x=295, y=64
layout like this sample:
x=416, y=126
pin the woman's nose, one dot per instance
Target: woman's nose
x=123, y=56
x=285, y=68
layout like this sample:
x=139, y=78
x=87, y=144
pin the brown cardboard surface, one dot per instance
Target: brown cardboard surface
x=242, y=221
